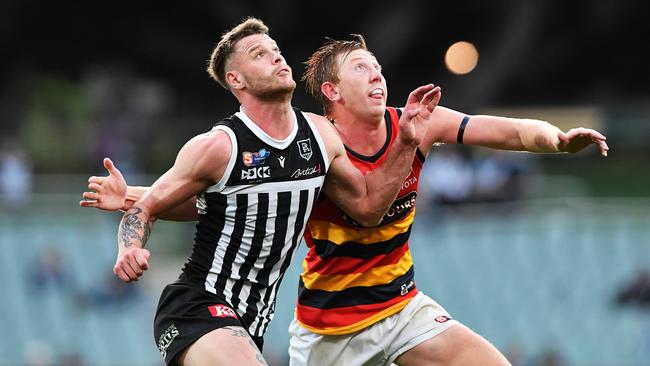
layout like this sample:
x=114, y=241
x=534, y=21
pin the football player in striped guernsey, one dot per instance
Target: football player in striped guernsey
x=358, y=303
x=256, y=175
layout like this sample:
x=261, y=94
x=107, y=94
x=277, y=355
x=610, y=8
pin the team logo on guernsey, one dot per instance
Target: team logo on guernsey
x=166, y=339
x=256, y=173
x=221, y=311
x=304, y=146
x=407, y=287
x=255, y=158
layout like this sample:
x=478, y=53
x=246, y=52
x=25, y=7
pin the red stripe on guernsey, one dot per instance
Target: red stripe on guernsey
x=348, y=265
x=345, y=317
x=351, y=318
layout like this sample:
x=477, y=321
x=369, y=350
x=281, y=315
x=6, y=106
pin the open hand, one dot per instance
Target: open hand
x=577, y=139
x=419, y=105
x=106, y=193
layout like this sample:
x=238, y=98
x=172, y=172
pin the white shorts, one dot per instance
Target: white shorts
x=378, y=344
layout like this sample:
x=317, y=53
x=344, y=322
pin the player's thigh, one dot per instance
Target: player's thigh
x=224, y=346
x=456, y=346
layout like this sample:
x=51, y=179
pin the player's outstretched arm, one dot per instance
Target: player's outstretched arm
x=111, y=193
x=199, y=164
x=449, y=126
x=366, y=198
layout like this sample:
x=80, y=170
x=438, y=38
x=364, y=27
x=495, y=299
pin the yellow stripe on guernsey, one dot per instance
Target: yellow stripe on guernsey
x=375, y=276
x=325, y=230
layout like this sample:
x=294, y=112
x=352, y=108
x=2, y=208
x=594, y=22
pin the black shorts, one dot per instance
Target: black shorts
x=185, y=314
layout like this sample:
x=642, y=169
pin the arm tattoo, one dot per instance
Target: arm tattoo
x=132, y=226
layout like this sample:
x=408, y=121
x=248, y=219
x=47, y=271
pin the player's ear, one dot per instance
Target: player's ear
x=235, y=80
x=330, y=91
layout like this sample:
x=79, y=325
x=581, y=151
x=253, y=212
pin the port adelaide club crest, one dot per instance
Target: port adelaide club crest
x=304, y=147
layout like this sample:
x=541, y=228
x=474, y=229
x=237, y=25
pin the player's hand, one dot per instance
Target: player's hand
x=419, y=105
x=106, y=193
x=578, y=138
x=131, y=263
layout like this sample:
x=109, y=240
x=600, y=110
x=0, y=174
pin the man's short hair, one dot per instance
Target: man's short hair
x=226, y=47
x=322, y=66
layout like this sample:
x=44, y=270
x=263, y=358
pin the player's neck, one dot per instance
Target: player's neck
x=365, y=136
x=275, y=118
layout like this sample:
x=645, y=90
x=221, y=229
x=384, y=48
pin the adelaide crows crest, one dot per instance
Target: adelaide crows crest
x=304, y=146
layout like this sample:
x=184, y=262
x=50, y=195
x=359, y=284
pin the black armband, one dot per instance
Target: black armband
x=461, y=129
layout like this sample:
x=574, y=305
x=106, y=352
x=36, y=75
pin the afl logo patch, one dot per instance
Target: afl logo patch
x=255, y=158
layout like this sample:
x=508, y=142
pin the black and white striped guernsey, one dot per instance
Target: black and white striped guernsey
x=251, y=221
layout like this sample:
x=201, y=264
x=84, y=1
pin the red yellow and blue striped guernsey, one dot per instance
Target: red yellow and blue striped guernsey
x=355, y=276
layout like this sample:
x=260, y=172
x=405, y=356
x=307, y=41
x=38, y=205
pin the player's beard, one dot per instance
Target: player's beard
x=273, y=93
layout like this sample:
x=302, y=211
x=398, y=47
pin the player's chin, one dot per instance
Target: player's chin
x=377, y=107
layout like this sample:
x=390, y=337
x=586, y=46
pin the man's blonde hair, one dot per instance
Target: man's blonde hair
x=322, y=66
x=226, y=47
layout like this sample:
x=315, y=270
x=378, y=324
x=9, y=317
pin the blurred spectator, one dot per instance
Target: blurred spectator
x=71, y=359
x=37, y=353
x=15, y=176
x=50, y=271
x=456, y=176
x=447, y=178
x=550, y=357
x=496, y=177
x=637, y=291
x=515, y=353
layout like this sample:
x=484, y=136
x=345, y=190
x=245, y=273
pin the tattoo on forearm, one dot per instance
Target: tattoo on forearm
x=132, y=226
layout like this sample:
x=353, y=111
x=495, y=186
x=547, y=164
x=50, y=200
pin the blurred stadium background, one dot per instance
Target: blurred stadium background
x=546, y=256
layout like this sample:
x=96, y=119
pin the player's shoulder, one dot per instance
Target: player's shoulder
x=215, y=141
x=324, y=126
x=318, y=119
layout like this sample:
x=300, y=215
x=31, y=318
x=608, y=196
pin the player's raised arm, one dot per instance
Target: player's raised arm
x=367, y=197
x=199, y=164
x=449, y=126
